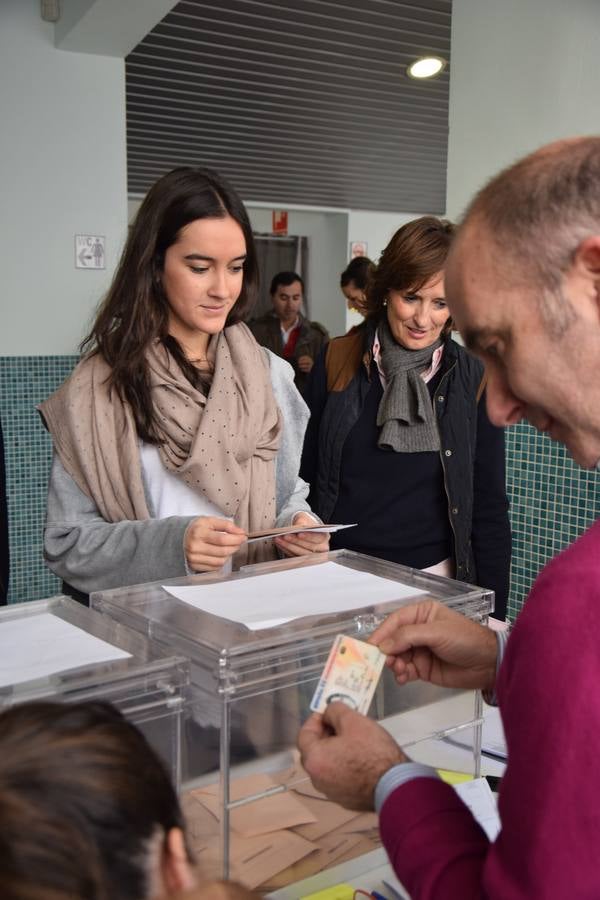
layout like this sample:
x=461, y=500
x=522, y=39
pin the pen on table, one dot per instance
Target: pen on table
x=393, y=892
x=373, y=895
x=492, y=754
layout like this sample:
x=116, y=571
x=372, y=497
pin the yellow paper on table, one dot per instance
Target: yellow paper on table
x=453, y=778
x=337, y=892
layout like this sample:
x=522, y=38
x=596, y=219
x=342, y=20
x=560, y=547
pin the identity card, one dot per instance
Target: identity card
x=350, y=675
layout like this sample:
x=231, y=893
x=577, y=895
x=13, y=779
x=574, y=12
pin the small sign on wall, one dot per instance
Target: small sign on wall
x=90, y=251
x=358, y=248
x=280, y=221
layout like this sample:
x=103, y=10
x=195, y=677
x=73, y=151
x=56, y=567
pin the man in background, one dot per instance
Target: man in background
x=286, y=331
x=523, y=285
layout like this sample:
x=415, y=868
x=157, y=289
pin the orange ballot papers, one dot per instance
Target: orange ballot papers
x=350, y=675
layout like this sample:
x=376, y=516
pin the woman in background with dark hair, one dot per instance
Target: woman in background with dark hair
x=399, y=440
x=88, y=811
x=176, y=435
x=353, y=282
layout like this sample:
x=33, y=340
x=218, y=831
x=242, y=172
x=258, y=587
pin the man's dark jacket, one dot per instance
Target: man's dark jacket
x=312, y=338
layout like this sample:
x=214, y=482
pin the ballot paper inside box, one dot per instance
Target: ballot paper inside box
x=257, y=641
x=57, y=649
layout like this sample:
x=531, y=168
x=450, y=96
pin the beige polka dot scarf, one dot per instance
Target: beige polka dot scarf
x=222, y=445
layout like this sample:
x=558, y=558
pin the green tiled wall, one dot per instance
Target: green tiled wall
x=552, y=500
x=24, y=382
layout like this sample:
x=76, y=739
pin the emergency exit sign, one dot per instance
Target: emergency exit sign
x=280, y=221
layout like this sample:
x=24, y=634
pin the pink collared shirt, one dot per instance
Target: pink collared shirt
x=427, y=375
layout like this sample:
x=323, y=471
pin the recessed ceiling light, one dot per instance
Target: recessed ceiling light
x=426, y=67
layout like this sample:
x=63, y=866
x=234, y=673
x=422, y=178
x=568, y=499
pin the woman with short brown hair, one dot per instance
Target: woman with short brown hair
x=399, y=440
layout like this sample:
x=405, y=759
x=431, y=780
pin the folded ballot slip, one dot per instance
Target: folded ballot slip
x=350, y=675
x=270, y=533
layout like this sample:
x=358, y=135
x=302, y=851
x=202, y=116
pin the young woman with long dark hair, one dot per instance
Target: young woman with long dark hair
x=176, y=435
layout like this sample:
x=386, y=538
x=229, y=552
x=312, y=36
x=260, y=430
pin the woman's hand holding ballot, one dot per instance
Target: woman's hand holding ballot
x=210, y=541
x=303, y=542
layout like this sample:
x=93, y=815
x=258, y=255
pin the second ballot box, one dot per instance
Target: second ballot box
x=58, y=650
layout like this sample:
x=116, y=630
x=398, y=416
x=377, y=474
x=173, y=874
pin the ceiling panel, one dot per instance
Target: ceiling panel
x=295, y=101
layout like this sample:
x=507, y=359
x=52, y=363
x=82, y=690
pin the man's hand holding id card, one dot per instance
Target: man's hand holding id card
x=343, y=751
x=350, y=675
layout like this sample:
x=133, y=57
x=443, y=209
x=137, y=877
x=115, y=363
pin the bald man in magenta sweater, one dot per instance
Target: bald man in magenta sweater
x=523, y=284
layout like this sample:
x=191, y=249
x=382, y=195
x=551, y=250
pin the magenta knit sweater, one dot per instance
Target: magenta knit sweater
x=549, y=695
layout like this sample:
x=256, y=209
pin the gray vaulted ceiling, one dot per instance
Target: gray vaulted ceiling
x=295, y=101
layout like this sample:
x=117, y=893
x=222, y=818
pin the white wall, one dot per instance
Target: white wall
x=524, y=72
x=63, y=172
x=376, y=228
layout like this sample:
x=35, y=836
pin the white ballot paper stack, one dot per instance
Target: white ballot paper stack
x=258, y=601
x=44, y=645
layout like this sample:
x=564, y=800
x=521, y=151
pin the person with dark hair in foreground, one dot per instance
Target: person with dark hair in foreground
x=286, y=331
x=523, y=283
x=176, y=435
x=217, y=890
x=88, y=811
x=399, y=440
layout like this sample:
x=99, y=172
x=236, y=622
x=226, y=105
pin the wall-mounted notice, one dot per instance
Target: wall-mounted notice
x=358, y=248
x=280, y=221
x=90, y=251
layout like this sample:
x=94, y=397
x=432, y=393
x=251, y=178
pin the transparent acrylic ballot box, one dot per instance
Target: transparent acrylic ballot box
x=252, y=812
x=58, y=650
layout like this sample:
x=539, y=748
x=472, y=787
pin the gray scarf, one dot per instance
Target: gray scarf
x=405, y=414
